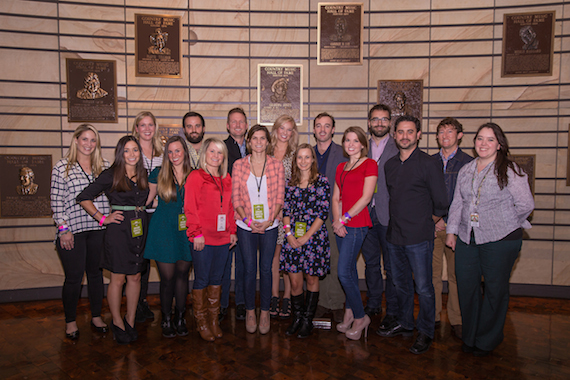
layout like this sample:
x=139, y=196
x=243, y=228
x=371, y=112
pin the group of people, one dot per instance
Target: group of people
x=259, y=199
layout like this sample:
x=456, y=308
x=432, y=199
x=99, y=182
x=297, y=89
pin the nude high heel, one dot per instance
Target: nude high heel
x=346, y=323
x=355, y=332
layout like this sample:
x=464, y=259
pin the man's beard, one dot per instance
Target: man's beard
x=379, y=133
x=194, y=140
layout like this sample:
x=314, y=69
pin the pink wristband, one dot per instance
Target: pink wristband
x=249, y=224
x=285, y=226
x=199, y=236
x=102, y=220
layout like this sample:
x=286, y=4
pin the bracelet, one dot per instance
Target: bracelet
x=342, y=221
x=96, y=212
x=249, y=224
x=102, y=220
x=244, y=219
x=347, y=215
x=199, y=236
x=63, y=231
x=285, y=226
x=63, y=227
x=288, y=234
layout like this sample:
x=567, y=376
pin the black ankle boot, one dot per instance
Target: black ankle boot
x=121, y=336
x=130, y=330
x=297, y=307
x=168, y=330
x=308, y=314
x=180, y=322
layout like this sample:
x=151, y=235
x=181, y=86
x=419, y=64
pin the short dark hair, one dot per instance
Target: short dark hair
x=193, y=114
x=236, y=110
x=257, y=128
x=411, y=118
x=452, y=122
x=380, y=107
x=323, y=114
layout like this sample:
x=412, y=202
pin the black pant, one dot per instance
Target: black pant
x=84, y=257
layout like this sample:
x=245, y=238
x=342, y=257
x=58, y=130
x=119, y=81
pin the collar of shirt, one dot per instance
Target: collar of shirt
x=242, y=149
x=322, y=159
x=446, y=160
x=377, y=150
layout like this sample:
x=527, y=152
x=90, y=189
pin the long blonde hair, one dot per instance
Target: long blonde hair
x=166, y=186
x=97, y=163
x=293, y=141
x=222, y=147
x=156, y=143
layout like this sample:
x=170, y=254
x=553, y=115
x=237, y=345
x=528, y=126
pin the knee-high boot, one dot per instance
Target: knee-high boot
x=297, y=309
x=201, y=315
x=214, y=292
x=308, y=314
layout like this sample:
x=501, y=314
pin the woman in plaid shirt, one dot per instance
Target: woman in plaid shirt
x=79, y=240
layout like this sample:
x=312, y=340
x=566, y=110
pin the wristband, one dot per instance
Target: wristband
x=63, y=227
x=342, y=221
x=199, y=236
x=347, y=215
x=63, y=231
x=288, y=234
x=96, y=212
x=249, y=224
x=285, y=226
x=102, y=220
x=244, y=219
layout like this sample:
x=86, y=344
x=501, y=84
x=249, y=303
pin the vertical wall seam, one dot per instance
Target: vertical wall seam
x=126, y=69
x=61, y=115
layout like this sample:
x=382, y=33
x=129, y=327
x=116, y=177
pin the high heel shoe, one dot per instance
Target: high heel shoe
x=249, y=326
x=131, y=331
x=120, y=335
x=73, y=335
x=99, y=329
x=264, y=327
x=355, y=332
x=346, y=323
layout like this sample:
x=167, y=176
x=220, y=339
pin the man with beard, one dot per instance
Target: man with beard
x=329, y=156
x=382, y=148
x=418, y=199
x=194, y=128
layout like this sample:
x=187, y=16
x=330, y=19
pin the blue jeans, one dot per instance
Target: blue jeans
x=238, y=278
x=249, y=243
x=209, y=265
x=373, y=248
x=414, y=263
x=348, y=249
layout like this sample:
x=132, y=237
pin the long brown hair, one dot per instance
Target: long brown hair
x=296, y=172
x=97, y=163
x=361, y=135
x=502, y=161
x=166, y=186
x=293, y=141
x=120, y=182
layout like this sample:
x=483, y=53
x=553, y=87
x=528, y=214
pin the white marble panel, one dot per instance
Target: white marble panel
x=561, y=263
x=472, y=71
x=400, y=69
x=276, y=20
x=27, y=24
x=221, y=33
x=154, y=3
x=90, y=12
x=281, y=36
x=275, y=5
x=29, y=8
x=226, y=4
x=23, y=65
x=534, y=265
x=219, y=18
x=338, y=76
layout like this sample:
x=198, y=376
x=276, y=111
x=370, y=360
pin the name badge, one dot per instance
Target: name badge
x=300, y=229
x=136, y=227
x=258, y=212
x=221, y=222
x=474, y=219
x=376, y=188
x=182, y=222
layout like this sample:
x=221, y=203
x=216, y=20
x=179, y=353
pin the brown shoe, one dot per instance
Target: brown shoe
x=214, y=292
x=457, y=330
x=201, y=314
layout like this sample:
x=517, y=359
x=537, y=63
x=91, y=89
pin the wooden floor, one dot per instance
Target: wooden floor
x=33, y=346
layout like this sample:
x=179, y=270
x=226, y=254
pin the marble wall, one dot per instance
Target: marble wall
x=453, y=46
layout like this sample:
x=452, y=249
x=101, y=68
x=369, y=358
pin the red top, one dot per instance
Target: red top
x=202, y=207
x=351, y=185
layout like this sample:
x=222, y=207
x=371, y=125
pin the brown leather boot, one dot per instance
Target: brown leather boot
x=201, y=315
x=214, y=292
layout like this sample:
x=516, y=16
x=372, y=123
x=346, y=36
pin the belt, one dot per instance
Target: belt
x=128, y=208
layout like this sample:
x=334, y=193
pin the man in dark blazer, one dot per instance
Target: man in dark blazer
x=381, y=148
x=237, y=128
x=329, y=156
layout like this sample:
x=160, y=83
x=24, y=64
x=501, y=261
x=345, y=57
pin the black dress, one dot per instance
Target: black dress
x=122, y=252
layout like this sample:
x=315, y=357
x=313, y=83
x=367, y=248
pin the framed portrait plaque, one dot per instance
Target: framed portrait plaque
x=405, y=97
x=91, y=90
x=528, y=44
x=279, y=92
x=339, y=34
x=25, y=186
x=527, y=162
x=157, y=46
x=166, y=131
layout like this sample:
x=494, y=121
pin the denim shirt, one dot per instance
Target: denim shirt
x=452, y=171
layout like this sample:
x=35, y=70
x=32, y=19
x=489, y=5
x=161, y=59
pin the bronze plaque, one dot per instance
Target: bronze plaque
x=91, y=90
x=166, y=131
x=528, y=44
x=405, y=97
x=527, y=162
x=339, y=34
x=279, y=92
x=25, y=186
x=157, y=46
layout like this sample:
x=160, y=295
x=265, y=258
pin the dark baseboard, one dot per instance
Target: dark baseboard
x=38, y=294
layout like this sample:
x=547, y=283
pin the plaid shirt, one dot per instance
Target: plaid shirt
x=63, y=191
x=275, y=174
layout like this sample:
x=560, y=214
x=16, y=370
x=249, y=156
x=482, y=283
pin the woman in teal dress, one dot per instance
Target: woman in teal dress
x=167, y=243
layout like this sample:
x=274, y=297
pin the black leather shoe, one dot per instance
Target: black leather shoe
x=120, y=336
x=395, y=330
x=102, y=329
x=73, y=336
x=467, y=349
x=372, y=311
x=479, y=352
x=131, y=331
x=240, y=312
x=421, y=344
x=148, y=314
x=388, y=322
x=222, y=314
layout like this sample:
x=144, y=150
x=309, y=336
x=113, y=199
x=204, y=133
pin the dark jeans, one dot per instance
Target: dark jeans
x=85, y=257
x=484, y=316
x=348, y=249
x=373, y=248
x=209, y=265
x=238, y=278
x=414, y=263
x=249, y=243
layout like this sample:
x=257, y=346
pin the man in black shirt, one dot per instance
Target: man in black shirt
x=418, y=198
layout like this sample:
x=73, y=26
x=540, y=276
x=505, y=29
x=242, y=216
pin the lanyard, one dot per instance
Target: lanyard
x=478, y=195
x=344, y=179
x=86, y=175
x=149, y=168
x=258, y=184
x=220, y=188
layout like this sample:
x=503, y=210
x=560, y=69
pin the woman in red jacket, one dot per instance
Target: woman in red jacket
x=211, y=231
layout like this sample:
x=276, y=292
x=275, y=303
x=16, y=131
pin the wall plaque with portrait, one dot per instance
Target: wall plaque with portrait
x=527, y=162
x=279, y=92
x=91, y=90
x=405, y=97
x=25, y=186
x=528, y=44
x=166, y=131
x=157, y=46
x=339, y=34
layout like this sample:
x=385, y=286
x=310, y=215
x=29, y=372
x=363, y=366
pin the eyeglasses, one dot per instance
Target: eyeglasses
x=375, y=120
